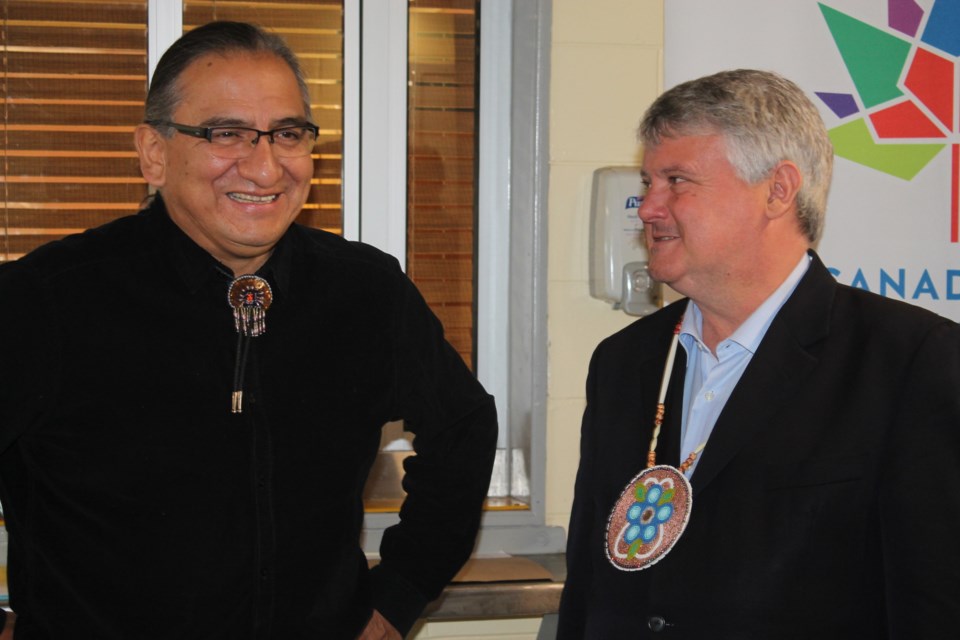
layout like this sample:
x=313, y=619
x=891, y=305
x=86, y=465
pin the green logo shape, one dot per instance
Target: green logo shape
x=873, y=57
x=853, y=141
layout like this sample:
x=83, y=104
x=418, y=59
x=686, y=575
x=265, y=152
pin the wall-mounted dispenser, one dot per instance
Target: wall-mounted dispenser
x=618, y=254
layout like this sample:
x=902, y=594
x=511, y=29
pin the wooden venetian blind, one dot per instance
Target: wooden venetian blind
x=314, y=30
x=74, y=82
x=441, y=163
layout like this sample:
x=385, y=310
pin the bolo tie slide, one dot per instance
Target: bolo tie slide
x=249, y=297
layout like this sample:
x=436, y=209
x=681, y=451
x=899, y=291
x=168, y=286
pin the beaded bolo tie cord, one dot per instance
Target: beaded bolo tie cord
x=249, y=296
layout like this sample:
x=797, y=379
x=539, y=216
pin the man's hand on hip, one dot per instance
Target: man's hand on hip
x=377, y=629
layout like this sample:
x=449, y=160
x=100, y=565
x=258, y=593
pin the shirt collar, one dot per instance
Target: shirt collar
x=195, y=266
x=749, y=334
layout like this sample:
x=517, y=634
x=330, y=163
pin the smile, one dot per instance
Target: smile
x=246, y=197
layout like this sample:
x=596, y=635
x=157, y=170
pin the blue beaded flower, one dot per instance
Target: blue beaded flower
x=653, y=507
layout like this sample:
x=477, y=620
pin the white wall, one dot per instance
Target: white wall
x=606, y=70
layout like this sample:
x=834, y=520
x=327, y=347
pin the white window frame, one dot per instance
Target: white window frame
x=375, y=202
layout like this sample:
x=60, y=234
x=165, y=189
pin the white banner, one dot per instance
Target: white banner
x=884, y=74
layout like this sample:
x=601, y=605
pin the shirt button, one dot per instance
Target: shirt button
x=709, y=395
x=656, y=623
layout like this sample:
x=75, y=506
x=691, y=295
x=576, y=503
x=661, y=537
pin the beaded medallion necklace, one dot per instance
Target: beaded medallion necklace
x=654, y=508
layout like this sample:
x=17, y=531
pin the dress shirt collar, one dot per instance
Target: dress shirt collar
x=749, y=334
x=195, y=266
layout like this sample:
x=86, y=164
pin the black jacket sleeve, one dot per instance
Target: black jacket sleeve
x=455, y=436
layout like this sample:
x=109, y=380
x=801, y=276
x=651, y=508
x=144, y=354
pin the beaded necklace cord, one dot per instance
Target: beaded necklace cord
x=654, y=508
x=661, y=407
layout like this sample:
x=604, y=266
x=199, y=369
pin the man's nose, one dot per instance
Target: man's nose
x=262, y=166
x=651, y=205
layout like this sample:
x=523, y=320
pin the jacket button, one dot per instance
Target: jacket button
x=656, y=623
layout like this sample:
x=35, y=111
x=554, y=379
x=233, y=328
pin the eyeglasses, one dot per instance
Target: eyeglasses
x=239, y=142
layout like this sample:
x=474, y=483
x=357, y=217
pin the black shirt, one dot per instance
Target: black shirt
x=139, y=506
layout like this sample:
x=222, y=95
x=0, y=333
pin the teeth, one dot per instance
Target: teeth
x=244, y=197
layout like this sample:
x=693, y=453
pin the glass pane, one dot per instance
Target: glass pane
x=441, y=162
x=74, y=85
x=441, y=213
x=314, y=30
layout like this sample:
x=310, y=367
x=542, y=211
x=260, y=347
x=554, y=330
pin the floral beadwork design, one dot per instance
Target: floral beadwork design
x=649, y=517
x=654, y=507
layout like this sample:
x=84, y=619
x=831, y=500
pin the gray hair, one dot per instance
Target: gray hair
x=221, y=37
x=764, y=119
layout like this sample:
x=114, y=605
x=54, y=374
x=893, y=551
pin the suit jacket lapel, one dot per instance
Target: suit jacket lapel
x=780, y=364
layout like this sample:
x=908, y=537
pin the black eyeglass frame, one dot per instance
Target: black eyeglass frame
x=206, y=133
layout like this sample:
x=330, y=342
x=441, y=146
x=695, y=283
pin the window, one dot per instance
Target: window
x=74, y=84
x=441, y=162
x=510, y=247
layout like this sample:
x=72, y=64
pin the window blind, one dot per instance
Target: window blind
x=74, y=82
x=441, y=164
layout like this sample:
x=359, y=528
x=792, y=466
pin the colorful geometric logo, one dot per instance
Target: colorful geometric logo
x=906, y=108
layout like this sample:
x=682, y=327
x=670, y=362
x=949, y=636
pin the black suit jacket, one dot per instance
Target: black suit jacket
x=827, y=501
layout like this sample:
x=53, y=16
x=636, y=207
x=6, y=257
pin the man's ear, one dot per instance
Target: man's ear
x=785, y=182
x=152, y=151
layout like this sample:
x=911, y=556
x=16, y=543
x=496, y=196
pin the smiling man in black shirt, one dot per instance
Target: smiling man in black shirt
x=191, y=398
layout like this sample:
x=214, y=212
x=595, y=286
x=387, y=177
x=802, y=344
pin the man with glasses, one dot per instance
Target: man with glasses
x=193, y=396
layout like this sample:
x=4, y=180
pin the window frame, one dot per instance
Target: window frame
x=513, y=181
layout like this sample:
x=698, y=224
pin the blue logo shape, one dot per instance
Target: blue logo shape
x=943, y=27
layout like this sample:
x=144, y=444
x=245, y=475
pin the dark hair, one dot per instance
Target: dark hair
x=764, y=119
x=221, y=37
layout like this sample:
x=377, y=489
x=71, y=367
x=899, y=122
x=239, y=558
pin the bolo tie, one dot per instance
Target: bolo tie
x=249, y=296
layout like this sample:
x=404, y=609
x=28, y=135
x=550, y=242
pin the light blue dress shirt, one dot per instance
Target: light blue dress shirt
x=711, y=378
